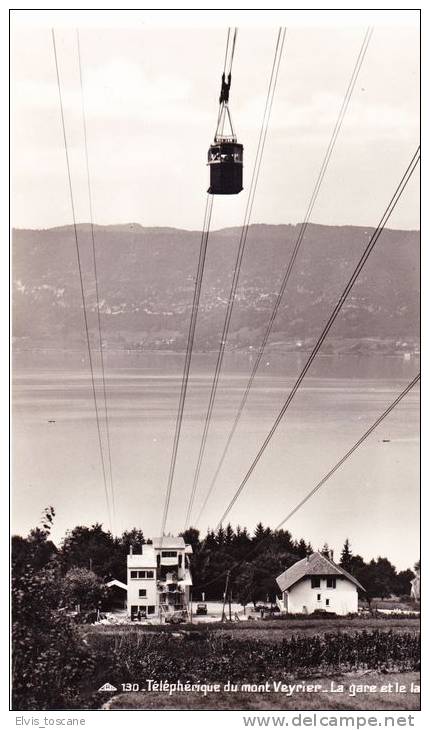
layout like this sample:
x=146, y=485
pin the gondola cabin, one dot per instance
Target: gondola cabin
x=225, y=160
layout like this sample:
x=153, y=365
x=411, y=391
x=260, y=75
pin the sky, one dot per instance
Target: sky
x=151, y=96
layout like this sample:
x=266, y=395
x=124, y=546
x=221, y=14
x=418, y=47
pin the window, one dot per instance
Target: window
x=327, y=601
x=331, y=582
x=318, y=596
x=142, y=592
x=169, y=554
x=315, y=582
x=151, y=609
x=141, y=574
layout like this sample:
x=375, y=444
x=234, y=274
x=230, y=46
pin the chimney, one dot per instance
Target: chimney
x=131, y=549
x=330, y=554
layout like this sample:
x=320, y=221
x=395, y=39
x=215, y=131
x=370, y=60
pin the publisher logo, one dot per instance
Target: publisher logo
x=107, y=688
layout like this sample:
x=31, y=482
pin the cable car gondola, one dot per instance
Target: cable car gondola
x=225, y=155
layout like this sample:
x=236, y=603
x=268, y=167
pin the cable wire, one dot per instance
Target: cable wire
x=187, y=363
x=241, y=248
x=302, y=231
x=322, y=481
x=358, y=443
x=369, y=248
x=84, y=307
x=193, y=321
x=90, y=202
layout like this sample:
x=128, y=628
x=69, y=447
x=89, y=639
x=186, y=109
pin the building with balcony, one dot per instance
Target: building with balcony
x=159, y=578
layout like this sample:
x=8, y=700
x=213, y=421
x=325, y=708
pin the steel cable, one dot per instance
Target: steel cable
x=302, y=231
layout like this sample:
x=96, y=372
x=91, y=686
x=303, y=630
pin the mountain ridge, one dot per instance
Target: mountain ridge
x=146, y=283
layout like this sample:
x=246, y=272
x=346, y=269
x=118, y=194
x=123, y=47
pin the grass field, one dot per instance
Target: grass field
x=321, y=700
x=267, y=630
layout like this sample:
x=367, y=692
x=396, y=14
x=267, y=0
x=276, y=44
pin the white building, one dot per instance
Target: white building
x=316, y=583
x=159, y=578
x=416, y=587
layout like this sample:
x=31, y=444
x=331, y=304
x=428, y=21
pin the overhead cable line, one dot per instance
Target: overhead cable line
x=187, y=363
x=301, y=234
x=241, y=248
x=350, y=452
x=90, y=202
x=84, y=306
x=322, y=481
x=365, y=255
x=228, y=60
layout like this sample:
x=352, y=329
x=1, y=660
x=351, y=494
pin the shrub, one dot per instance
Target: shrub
x=50, y=662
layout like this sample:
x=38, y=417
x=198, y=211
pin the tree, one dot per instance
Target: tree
x=229, y=534
x=83, y=587
x=379, y=578
x=301, y=549
x=133, y=538
x=246, y=588
x=36, y=549
x=220, y=536
x=50, y=663
x=95, y=549
x=346, y=556
x=403, y=582
x=259, y=533
x=192, y=537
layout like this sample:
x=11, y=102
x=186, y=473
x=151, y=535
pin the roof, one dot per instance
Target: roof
x=168, y=543
x=117, y=583
x=315, y=564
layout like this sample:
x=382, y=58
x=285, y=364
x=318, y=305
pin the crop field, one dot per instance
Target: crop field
x=320, y=651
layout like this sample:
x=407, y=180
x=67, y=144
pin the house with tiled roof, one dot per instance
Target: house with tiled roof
x=316, y=583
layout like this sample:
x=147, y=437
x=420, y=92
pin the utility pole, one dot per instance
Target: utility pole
x=227, y=578
x=229, y=605
x=191, y=605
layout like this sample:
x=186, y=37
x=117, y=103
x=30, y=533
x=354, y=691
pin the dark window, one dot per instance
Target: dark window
x=168, y=554
x=318, y=596
x=180, y=561
x=331, y=582
x=327, y=601
x=133, y=574
x=142, y=592
x=145, y=574
x=315, y=582
x=151, y=609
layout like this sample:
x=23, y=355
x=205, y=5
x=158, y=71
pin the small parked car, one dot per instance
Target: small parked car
x=202, y=609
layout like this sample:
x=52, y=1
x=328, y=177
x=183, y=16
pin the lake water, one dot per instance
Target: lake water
x=373, y=499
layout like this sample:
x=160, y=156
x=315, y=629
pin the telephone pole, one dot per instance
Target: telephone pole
x=227, y=578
